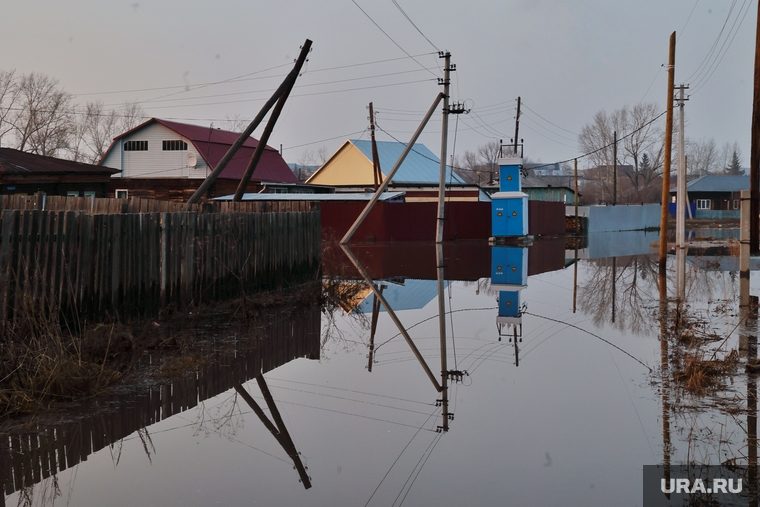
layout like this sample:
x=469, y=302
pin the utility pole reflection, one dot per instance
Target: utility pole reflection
x=277, y=429
x=665, y=376
x=441, y=387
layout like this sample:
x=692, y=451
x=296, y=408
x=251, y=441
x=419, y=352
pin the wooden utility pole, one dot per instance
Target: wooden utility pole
x=442, y=338
x=444, y=139
x=278, y=428
x=668, y=147
x=517, y=124
x=286, y=84
x=263, y=140
x=681, y=200
x=377, y=175
x=754, y=162
x=577, y=223
x=392, y=173
x=614, y=168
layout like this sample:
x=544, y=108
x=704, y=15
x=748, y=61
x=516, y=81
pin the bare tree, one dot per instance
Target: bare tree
x=489, y=157
x=638, y=134
x=96, y=128
x=234, y=123
x=8, y=97
x=468, y=167
x=313, y=158
x=42, y=119
x=130, y=116
x=702, y=157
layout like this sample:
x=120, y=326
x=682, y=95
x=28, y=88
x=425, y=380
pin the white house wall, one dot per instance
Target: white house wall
x=155, y=162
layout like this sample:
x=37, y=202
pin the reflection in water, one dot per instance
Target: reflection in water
x=620, y=291
x=699, y=375
x=441, y=387
x=41, y=451
x=509, y=275
x=278, y=428
x=584, y=405
x=623, y=291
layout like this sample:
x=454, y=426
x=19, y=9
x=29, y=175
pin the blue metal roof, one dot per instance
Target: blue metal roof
x=412, y=295
x=718, y=183
x=420, y=165
x=355, y=196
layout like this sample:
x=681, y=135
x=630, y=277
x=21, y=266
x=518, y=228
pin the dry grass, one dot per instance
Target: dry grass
x=700, y=375
x=43, y=361
x=178, y=366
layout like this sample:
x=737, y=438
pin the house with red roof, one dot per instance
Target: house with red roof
x=169, y=160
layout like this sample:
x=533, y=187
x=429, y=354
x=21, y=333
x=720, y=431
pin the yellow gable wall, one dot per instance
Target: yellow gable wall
x=348, y=166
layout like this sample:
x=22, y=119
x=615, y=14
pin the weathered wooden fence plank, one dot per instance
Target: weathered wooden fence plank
x=85, y=265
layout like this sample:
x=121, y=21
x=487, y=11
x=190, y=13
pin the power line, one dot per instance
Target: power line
x=547, y=121
x=605, y=146
x=312, y=71
x=295, y=95
x=687, y=20
x=194, y=87
x=527, y=126
x=303, y=85
x=412, y=22
x=391, y=38
x=717, y=63
x=325, y=140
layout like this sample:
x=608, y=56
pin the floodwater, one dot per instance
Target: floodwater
x=567, y=413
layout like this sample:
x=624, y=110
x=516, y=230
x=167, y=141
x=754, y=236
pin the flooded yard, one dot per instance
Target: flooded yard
x=566, y=373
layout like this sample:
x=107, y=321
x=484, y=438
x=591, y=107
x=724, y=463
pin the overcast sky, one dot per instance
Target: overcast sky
x=201, y=62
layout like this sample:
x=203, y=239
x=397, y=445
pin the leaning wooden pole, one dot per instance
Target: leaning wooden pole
x=754, y=162
x=668, y=150
x=444, y=137
x=286, y=83
x=257, y=154
x=392, y=173
x=263, y=140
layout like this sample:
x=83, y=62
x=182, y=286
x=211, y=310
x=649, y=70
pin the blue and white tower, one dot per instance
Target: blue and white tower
x=509, y=275
x=509, y=206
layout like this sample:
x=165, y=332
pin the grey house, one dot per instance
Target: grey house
x=715, y=196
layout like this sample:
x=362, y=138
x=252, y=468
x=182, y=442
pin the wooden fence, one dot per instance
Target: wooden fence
x=38, y=452
x=86, y=264
x=107, y=206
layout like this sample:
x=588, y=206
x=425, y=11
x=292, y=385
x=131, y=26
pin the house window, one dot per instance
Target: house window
x=703, y=203
x=136, y=146
x=72, y=193
x=122, y=193
x=175, y=145
x=736, y=203
x=89, y=193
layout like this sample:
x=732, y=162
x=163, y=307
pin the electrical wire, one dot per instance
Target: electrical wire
x=391, y=38
x=412, y=22
x=717, y=63
x=714, y=45
x=687, y=20
x=547, y=121
x=345, y=136
x=399, y=457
